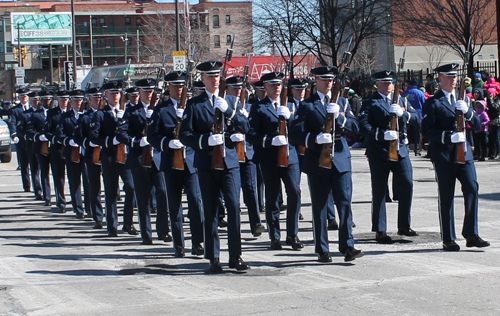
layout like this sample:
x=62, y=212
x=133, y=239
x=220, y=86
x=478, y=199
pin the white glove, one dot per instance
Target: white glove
x=43, y=138
x=279, y=140
x=175, y=144
x=144, y=141
x=119, y=114
x=333, y=108
x=244, y=112
x=221, y=104
x=390, y=135
x=396, y=109
x=149, y=113
x=214, y=140
x=238, y=137
x=72, y=143
x=458, y=137
x=284, y=111
x=324, y=138
x=15, y=140
x=462, y=106
x=93, y=145
x=115, y=141
x=179, y=112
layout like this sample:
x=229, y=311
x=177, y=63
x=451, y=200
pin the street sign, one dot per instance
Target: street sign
x=179, y=60
x=19, y=81
x=69, y=75
x=20, y=72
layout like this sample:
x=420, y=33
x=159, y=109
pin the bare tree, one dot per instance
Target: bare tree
x=434, y=56
x=454, y=23
x=366, y=61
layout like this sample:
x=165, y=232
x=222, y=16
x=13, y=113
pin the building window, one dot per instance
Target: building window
x=217, y=41
x=102, y=43
x=111, y=22
x=138, y=22
x=1, y=48
x=216, y=21
x=128, y=21
x=480, y=57
x=492, y=56
x=102, y=21
x=228, y=19
x=111, y=42
x=228, y=39
x=85, y=24
x=94, y=42
x=94, y=22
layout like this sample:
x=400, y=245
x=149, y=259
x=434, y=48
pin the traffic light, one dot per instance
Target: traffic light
x=24, y=53
x=16, y=53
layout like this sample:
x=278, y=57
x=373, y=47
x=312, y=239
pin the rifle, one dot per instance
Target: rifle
x=312, y=84
x=147, y=156
x=75, y=151
x=96, y=156
x=328, y=150
x=121, y=154
x=394, y=122
x=283, y=151
x=241, y=146
x=219, y=151
x=179, y=154
x=461, y=148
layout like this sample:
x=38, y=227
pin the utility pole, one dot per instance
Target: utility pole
x=73, y=28
x=19, y=44
x=177, y=27
x=138, y=43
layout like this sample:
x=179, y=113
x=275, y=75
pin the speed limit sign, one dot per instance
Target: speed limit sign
x=179, y=60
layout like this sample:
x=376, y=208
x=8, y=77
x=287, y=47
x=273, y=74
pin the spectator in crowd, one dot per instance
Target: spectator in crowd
x=480, y=136
x=417, y=100
x=430, y=84
x=493, y=110
x=427, y=95
x=478, y=81
x=491, y=83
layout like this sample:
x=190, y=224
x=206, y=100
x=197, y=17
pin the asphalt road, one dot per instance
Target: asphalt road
x=53, y=264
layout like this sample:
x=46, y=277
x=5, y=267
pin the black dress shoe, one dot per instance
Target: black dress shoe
x=388, y=199
x=262, y=209
x=450, y=246
x=153, y=210
x=332, y=224
x=98, y=225
x=113, y=234
x=179, y=253
x=39, y=198
x=197, y=250
x=88, y=215
x=130, y=229
x=383, y=238
x=215, y=266
x=147, y=241
x=301, y=217
x=276, y=244
x=352, y=253
x=324, y=257
x=295, y=242
x=62, y=210
x=238, y=263
x=353, y=225
x=79, y=216
x=222, y=223
x=258, y=230
x=283, y=207
x=407, y=231
x=25, y=190
x=47, y=203
x=476, y=241
x=395, y=198
x=165, y=238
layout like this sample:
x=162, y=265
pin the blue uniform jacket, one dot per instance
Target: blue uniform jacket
x=264, y=121
x=374, y=118
x=161, y=132
x=53, y=116
x=16, y=113
x=438, y=123
x=103, y=130
x=308, y=123
x=82, y=135
x=36, y=127
x=197, y=126
x=66, y=131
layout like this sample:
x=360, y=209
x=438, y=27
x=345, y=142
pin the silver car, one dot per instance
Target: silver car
x=5, y=143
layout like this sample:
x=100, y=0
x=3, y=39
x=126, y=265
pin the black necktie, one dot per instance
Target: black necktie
x=452, y=98
x=276, y=106
x=213, y=99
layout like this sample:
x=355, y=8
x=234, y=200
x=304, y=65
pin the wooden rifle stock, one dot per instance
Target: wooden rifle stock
x=178, y=157
x=461, y=148
x=325, y=158
x=96, y=155
x=121, y=155
x=147, y=157
x=393, y=144
x=75, y=151
x=218, y=126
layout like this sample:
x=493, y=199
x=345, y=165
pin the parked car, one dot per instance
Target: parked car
x=5, y=143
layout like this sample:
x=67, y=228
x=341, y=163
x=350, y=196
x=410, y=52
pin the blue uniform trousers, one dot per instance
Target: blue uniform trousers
x=325, y=187
x=35, y=173
x=273, y=175
x=74, y=170
x=176, y=180
x=22, y=159
x=248, y=174
x=94, y=176
x=403, y=183
x=212, y=182
x=446, y=175
x=44, y=164
x=58, y=166
x=144, y=180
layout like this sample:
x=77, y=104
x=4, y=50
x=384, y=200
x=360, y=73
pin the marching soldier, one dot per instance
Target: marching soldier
x=248, y=169
x=17, y=136
x=307, y=130
x=438, y=126
x=57, y=163
x=35, y=129
x=82, y=138
x=75, y=169
x=103, y=133
x=162, y=135
x=374, y=120
x=197, y=132
x=263, y=136
x=260, y=94
x=132, y=96
x=131, y=131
